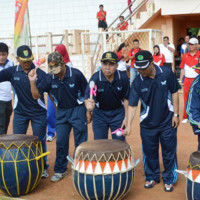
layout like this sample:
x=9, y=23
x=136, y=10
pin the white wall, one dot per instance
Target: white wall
x=173, y=7
x=57, y=15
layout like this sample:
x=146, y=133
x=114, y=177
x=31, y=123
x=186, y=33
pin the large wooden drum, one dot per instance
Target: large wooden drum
x=103, y=169
x=21, y=163
x=193, y=177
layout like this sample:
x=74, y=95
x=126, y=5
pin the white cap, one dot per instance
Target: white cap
x=193, y=41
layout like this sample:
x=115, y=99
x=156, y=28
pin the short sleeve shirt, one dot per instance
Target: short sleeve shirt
x=67, y=93
x=24, y=104
x=155, y=96
x=99, y=14
x=109, y=96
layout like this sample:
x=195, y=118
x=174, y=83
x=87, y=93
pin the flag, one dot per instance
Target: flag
x=22, y=35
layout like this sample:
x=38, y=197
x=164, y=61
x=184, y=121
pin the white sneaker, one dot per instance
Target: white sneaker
x=58, y=176
x=45, y=174
x=185, y=121
x=50, y=138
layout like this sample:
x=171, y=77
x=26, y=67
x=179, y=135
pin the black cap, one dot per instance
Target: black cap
x=110, y=56
x=143, y=59
x=24, y=53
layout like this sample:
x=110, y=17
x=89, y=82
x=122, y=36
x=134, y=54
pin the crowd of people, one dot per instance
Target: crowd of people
x=113, y=106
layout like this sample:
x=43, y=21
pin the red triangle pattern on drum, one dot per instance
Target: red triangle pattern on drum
x=195, y=173
x=80, y=164
x=94, y=164
x=126, y=163
x=119, y=164
x=102, y=164
x=112, y=165
x=86, y=164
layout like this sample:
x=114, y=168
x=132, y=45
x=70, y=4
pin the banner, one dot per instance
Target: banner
x=22, y=35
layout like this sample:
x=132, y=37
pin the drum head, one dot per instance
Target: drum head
x=194, y=162
x=103, y=150
x=17, y=139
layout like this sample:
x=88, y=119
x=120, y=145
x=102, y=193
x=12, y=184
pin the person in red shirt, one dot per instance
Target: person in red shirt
x=189, y=60
x=122, y=25
x=131, y=56
x=158, y=58
x=101, y=16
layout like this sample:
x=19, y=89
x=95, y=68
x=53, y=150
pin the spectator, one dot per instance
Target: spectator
x=188, y=61
x=193, y=105
x=101, y=16
x=167, y=49
x=185, y=46
x=131, y=54
x=122, y=54
x=5, y=91
x=180, y=42
x=122, y=25
x=158, y=58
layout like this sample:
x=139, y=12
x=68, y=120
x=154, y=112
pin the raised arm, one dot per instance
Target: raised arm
x=32, y=78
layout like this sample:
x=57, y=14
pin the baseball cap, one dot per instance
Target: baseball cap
x=110, y=56
x=143, y=59
x=55, y=61
x=24, y=53
x=193, y=41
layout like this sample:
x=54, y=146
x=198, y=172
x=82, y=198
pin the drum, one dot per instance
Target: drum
x=193, y=177
x=21, y=163
x=103, y=169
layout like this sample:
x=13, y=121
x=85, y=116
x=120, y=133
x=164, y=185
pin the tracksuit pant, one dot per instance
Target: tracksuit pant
x=187, y=85
x=66, y=119
x=38, y=123
x=167, y=136
x=103, y=120
x=51, y=117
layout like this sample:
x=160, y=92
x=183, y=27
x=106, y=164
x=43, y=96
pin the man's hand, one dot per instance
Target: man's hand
x=89, y=104
x=32, y=75
x=88, y=116
x=127, y=131
x=175, y=122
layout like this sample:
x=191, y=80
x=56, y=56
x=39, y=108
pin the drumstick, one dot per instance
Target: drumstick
x=71, y=160
x=91, y=85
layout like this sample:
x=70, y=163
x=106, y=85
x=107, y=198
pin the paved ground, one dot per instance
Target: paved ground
x=187, y=143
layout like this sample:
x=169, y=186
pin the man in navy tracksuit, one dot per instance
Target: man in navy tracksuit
x=193, y=105
x=25, y=107
x=157, y=88
x=111, y=100
x=67, y=88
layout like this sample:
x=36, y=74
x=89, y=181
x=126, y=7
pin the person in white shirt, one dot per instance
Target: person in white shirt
x=5, y=91
x=167, y=49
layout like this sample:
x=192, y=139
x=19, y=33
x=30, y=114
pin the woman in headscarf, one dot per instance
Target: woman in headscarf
x=61, y=49
x=158, y=58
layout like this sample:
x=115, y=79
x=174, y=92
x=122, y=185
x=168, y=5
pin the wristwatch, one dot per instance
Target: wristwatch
x=176, y=115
